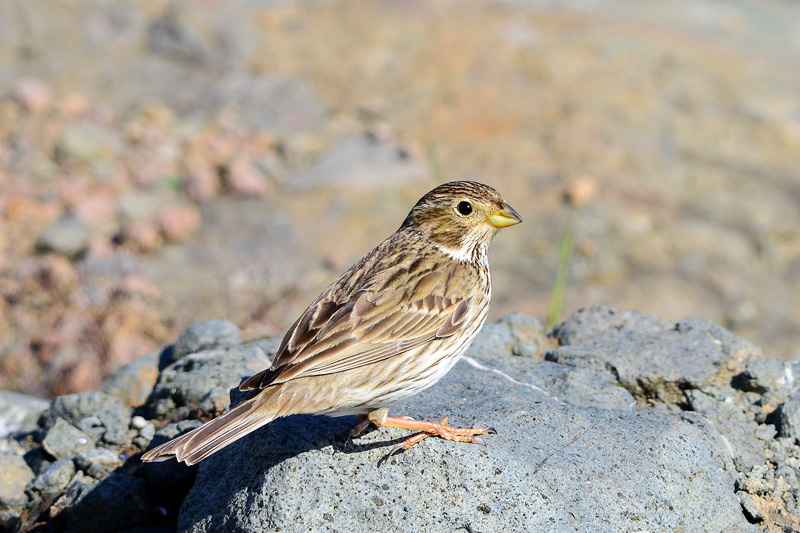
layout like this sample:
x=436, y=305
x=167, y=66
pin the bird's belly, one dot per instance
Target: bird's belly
x=391, y=381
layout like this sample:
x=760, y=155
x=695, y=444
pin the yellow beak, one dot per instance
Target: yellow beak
x=505, y=217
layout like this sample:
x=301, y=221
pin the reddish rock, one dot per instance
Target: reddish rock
x=34, y=95
x=242, y=178
x=178, y=222
x=142, y=235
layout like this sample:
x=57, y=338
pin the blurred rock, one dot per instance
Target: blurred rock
x=789, y=416
x=169, y=37
x=97, y=463
x=202, y=380
x=68, y=236
x=178, y=222
x=592, y=321
x=63, y=440
x=132, y=383
x=88, y=143
x=205, y=335
x=19, y=412
x=34, y=95
x=362, y=163
x=14, y=476
x=242, y=178
x=54, y=478
x=101, y=415
x=270, y=102
x=139, y=206
x=142, y=235
x=766, y=375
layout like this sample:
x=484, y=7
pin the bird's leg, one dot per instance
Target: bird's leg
x=361, y=426
x=428, y=429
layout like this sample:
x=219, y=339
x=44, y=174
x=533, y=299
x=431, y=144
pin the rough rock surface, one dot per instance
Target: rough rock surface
x=551, y=467
x=630, y=423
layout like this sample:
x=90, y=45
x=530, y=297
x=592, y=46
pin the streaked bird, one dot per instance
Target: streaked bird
x=391, y=326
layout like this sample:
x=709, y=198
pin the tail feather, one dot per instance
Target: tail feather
x=214, y=435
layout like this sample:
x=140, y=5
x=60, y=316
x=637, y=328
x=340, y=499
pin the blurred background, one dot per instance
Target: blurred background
x=163, y=162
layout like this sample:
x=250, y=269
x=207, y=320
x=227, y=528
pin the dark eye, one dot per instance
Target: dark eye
x=465, y=208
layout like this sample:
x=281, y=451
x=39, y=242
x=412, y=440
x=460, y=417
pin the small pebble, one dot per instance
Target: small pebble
x=138, y=422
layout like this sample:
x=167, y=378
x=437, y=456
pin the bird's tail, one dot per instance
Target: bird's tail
x=214, y=435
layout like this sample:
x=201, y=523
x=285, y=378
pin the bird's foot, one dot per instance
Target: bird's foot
x=431, y=429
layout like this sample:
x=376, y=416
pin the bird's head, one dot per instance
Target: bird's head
x=461, y=217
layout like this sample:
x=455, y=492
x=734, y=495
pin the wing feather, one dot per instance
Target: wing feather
x=364, y=328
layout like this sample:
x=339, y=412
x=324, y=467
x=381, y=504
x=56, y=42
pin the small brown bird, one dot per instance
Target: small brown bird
x=388, y=328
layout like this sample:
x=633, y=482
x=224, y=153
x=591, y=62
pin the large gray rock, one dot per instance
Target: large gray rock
x=551, y=467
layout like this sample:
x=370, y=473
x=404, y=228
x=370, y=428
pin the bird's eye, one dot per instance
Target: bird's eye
x=465, y=208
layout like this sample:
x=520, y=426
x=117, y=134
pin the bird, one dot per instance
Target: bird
x=389, y=327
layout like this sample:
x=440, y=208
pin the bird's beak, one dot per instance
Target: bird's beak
x=504, y=217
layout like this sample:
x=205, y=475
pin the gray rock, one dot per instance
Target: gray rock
x=203, y=380
x=767, y=375
x=64, y=440
x=751, y=506
x=362, y=163
x=15, y=474
x=97, y=463
x=148, y=431
x=68, y=236
x=525, y=328
x=172, y=39
x=98, y=414
x=88, y=143
x=576, y=386
x=739, y=442
x=494, y=341
x=19, y=412
x=789, y=416
x=132, y=383
x=205, y=335
x=54, y=478
x=269, y=101
x=766, y=432
x=551, y=467
x=733, y=346
x=119, y=502
x=650, y=364
x=526, y=349
x=139, y=205
x=592, y=321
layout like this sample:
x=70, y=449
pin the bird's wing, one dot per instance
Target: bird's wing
x=366, y=328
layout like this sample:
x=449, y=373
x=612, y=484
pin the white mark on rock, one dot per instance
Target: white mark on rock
x=788, y=375
x=505, y=376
